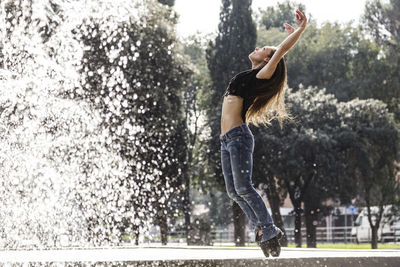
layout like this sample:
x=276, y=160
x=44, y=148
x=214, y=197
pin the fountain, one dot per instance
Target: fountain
x=62, y=171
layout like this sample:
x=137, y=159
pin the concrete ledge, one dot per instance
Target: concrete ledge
x=194, y=256
x=309, y=262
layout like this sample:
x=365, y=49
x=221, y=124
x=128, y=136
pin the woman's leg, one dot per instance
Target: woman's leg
x=230, y=188
x=241, y=156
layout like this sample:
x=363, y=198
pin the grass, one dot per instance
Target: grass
x=338, y=246
x=319, y=245
x=357, y=246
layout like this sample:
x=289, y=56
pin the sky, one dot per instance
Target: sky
x=203, y=15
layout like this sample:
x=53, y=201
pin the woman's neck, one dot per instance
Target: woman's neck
x=257, y=65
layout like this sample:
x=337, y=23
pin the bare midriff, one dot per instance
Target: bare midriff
x=231, y=112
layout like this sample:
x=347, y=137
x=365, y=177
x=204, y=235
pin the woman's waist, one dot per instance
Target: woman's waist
x=235, y=130
x=227, y=125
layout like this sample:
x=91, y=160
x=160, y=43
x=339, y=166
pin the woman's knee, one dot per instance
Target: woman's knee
x=232, y=194
x=245, y=190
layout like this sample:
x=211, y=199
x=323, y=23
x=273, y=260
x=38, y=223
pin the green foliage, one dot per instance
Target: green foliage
x=310, y=145
x=334, y=150
x=197, y=98
x=303, y=156
x=312, y=158
x=372, y=140
x=349, y=65
x=271, y=37
x=381, y=21
x=142, y=103
x=340, y=59
x=275, y=17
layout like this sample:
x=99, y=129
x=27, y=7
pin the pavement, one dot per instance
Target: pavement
x=157, y=255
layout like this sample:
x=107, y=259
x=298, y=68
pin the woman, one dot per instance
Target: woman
x=256, y=96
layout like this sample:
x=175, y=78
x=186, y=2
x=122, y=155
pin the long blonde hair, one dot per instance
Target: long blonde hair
x=269, y=103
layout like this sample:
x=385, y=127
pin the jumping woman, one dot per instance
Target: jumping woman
x=256, y=95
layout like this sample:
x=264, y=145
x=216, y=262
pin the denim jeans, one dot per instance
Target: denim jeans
x=237, y=146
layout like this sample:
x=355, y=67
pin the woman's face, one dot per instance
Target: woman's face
x=259, y=54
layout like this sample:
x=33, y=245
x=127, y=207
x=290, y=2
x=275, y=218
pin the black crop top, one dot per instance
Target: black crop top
x=246, y=85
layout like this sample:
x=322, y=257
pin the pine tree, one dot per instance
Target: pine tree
x=225, y=57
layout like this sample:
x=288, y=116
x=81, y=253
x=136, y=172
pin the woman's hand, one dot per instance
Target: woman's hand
x=288, y=28
x=301, y=19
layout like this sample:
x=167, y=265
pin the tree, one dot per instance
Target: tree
x=275, y=17
x=341, y=59
x=226, y=56
x=142, y=106
x=381, y=21
x=194, y=48
x=371, y=156
x=305, y=156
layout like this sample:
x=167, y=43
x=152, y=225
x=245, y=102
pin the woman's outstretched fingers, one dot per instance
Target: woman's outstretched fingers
x=301, y=18
x=289, y=28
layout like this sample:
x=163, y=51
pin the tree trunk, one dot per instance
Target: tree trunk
x=275, y=201
x=297, y=227
x=187, y=209
x=374, y=239
x=136, y=230
x=295, y=198
x=239, y=225
x=311, y=219
x=163, y=229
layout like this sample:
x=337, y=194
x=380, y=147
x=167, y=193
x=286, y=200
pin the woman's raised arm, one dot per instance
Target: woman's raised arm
x=268, y=70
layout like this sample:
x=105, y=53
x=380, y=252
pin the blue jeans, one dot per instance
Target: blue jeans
x=237, y=146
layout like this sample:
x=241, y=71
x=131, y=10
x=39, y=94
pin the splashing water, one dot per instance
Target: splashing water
x=60, y=175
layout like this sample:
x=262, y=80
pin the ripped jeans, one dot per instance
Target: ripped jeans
x=237, y=146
